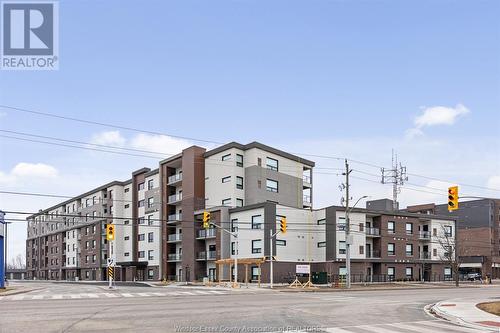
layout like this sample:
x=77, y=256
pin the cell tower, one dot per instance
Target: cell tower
x=395, y=176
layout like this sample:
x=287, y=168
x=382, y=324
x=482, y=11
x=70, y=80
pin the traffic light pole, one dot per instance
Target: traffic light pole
x=271, y=274
x=347, y=228
x=235, y=235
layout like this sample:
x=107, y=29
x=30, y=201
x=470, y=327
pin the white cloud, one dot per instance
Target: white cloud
x=28, y=172
x=494, y=182
x=111, y=138
x=159, y=143
x=436, y=115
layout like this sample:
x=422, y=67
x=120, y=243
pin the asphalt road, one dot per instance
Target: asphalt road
x=86, y=308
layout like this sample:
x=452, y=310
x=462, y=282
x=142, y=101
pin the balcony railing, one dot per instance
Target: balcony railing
x=174, y=198
x=306, y=179
x=424, y=235
x=425, y=255
x=307, y=199
x=207, y=233
x=174, y=237
x=174, y=217
x=174, y=257
x=372, y=231
x=175, y=178
x=373, y=254
x=212, y=255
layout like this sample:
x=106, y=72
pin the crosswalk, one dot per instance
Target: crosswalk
x=29, y=297
x=427, y=326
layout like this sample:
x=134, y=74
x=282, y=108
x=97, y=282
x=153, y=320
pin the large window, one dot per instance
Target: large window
x=448, y=231
x=342, y=247
x=226, y=202
x=322, y=244
x=150, y=237
x=140, y=254
x=272, y=185
x=390, y=273
x=391, y=227
x=409, y=228
x=226, y=157
x=150, y=202
x=239, y=160
x=321, y=222
x=150, y=184
x=150, y=255
x=391, y=249
x=341, y=223
x=409, y=272
x=239, y=202
x=233, y=248
x=409, y=250
x=140, y=186
x=226, y=179
x=140, y=237
x=239, y=182
x=272, y=164
x=257, y=222
x=234, y=225
x=257, y=246
x=140, y=203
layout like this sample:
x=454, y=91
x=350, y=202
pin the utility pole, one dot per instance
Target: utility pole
x=395, y=176
x=347, y=227
x=271, y=275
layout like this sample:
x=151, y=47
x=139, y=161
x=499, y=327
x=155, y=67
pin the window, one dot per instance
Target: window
x=343, y=271
x=140, y=186
x=127, y=189
x=150, y=255
x=257, y=246
x=391, y=227
x=140, y=237
x=239, y=202
x=127, y=206
x=140, y=254
x=272, y=185
x=341, y=223
x=151, y=184
x=409, y=250
x=448, y=231
x=151, y=274
x=234, y=225
x=390, y=273
x=434, y=252
x=361, y=227
x=86, y=244
x=126, y=222
x=141, y=220
x=409, y=228
x=239, y=182
x=233, y=248
x=226, y=179
x=434, y=232
x=226, y=157
x=150, y=237
x=87, y=274
x=93, y=229
x=447, y=272
x=87, y=202
x=322, y=244
x=150, y=219
x=126, y=238
x=150, y=202
x=391, y=249
x=342, y=247
x=226, y=202
x=239, y=160
x=126, y=254
x=257, y=222
x=321, y=222
x=93, y=244
x=361, y=249
x=280, y=242
x=140, y=203
x=94, y=258
x=409, y=272
x=272, y=164
x=86, y=259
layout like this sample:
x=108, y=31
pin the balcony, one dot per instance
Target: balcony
x=425, y=255
x=373, y=232
x=174, y=218
x=306, y=200
x=175, y=198
x=174, y=257
x=174, y=179
x=424, y=235
x=306, y=181
x=209, y=233
x=172, y=238
x=212, y=255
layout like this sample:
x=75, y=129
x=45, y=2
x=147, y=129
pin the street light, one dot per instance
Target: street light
x=348, y=241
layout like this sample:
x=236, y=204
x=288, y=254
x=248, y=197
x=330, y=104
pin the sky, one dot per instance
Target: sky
x=349, y=79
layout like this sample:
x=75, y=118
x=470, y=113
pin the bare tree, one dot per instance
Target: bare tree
x=449, y=254
x=17, y=263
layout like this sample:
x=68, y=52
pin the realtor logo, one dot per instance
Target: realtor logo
x=29, y=35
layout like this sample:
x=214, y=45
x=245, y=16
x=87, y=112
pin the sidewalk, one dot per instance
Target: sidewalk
x=465, y=313
x=16, y=290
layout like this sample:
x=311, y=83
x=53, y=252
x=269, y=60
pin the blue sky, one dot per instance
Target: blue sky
x=341, y=78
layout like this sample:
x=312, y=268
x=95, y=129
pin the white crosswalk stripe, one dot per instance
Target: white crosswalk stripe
x=45, y=296
x=428, y=326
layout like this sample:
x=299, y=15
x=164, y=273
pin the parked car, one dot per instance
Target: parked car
x=473, y=276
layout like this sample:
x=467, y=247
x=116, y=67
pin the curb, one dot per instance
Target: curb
x=433, y=310
x=22, y=291
x=329, y=289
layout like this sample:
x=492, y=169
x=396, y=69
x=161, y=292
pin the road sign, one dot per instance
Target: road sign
x=111, y=262
x=302, y=269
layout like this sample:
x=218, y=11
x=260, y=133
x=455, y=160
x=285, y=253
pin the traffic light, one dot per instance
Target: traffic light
x=206, y=220
x=110, y=232
x=453, y=198
x=283, y=225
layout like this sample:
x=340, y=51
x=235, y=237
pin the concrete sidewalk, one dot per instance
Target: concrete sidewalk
x=465, y=313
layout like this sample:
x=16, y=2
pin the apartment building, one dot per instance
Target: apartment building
x=385, y=245
x=478, y=237
x=156, y=235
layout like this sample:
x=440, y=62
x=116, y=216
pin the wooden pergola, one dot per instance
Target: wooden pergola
x=241, y=261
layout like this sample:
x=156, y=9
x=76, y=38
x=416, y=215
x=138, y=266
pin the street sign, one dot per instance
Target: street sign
x=111, y=262
x=302, y=269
